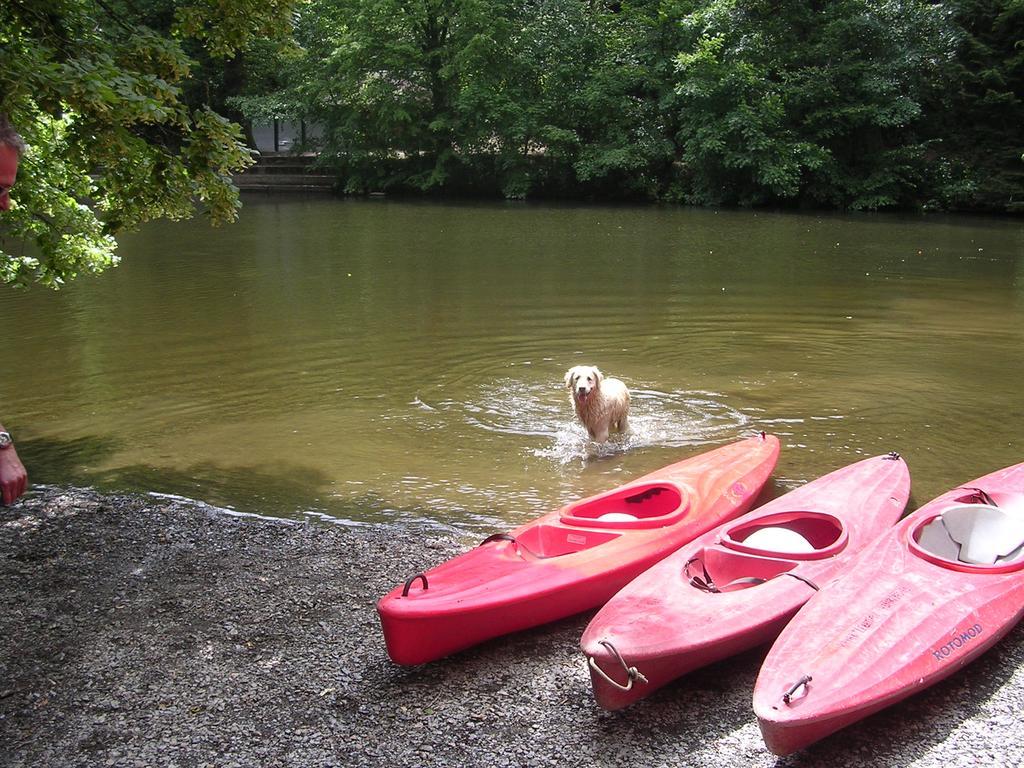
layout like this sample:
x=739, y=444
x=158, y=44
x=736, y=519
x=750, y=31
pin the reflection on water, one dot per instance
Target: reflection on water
x=371, y=360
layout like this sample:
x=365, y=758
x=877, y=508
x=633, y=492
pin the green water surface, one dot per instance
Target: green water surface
x=385, y=360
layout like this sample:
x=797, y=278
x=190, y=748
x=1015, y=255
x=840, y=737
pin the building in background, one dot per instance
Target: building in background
x=286, y=136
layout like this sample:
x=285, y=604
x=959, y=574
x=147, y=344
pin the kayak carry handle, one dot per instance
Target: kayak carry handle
x=408, y=584
x=892, y=456
x=802, y=682
x=632, y=673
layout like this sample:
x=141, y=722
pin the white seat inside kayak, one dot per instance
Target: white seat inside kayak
x=778, y=539
x=935, y=538
x=979, y=534
x=617, y=517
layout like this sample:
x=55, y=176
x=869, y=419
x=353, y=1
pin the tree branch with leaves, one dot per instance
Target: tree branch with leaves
x=97, y=96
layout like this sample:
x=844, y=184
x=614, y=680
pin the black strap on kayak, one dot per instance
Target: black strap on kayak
x=408, y=584
x=803, y=681
x=705, y=583
x=808, y=582
x=513, y=540
x=891, y=456
x=632, y=673
x=980, y=495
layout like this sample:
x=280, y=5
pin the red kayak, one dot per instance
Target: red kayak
x=735, y=587
x=928, y=597
x=573, y=559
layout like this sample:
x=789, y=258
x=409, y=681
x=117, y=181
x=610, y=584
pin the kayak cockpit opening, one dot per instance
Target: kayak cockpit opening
x=798, y=535
x=716, y=569
x=645, y=505
x=972, y=537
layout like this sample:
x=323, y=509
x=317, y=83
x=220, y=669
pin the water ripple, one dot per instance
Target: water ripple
x=541, y=412
x=657, y=419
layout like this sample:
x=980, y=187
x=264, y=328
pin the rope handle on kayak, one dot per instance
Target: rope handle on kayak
x=632, y=673
x=891, y=456
x=512, y=540
x=408, y=584
x=802, y=682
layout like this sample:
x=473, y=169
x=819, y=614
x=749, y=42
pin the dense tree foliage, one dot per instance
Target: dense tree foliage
x=787, y=99
x=850, y=104
x=96, y=91
x=835, y=103
x=981, y=122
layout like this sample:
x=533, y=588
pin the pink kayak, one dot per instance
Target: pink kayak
x=735, y=587
x=572, y=559
x=921, y=602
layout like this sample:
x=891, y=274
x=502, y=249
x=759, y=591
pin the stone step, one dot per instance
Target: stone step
x=286, y=171
x=272, y=181
x=286, y=159
x=300, y=170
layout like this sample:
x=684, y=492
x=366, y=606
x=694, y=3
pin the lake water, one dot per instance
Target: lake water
x=369, y=360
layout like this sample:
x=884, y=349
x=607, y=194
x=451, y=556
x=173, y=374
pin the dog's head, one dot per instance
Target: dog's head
x=583, y=381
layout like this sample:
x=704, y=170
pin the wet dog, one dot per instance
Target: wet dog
x=601, y=403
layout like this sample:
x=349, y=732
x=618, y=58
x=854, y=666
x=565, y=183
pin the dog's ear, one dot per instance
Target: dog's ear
x=569, y=376
x=598, y=376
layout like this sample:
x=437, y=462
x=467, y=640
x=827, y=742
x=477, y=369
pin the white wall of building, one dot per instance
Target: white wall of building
x=289, y=135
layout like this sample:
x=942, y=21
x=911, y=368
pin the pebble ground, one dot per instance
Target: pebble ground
x=139, y=631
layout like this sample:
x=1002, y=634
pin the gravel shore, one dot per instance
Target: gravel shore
x=145, y=631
